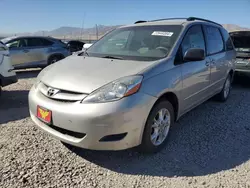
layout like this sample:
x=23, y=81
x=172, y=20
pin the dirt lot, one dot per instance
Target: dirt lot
x=209, y=147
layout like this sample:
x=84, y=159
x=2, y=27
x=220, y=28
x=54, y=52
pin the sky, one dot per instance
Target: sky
x=38, y=15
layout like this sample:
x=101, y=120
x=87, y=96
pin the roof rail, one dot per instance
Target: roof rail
x=188, y=19
x=167, y=19
x=201, y=19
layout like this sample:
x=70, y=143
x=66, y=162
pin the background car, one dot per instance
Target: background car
x=241, y=40
x=75, y=45
x=7, y=75
x=33, y=51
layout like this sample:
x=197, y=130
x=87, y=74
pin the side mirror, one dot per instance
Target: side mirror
x=194, y=54
x=86, y=46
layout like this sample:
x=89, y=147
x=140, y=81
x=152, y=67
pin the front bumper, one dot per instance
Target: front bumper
x=5, y=81
x=125, y=117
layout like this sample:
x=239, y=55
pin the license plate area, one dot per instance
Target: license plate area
x=44, y=114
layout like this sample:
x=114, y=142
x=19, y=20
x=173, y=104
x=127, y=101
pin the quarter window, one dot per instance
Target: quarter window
x=193, y=39
x=214, y=40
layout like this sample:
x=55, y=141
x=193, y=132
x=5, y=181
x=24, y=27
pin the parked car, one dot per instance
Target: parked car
x=7, y=75
x=114, y=97
x=241, y=40
x=33, y=51
x=75, y=45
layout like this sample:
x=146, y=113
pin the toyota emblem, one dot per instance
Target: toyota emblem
x=52, y=91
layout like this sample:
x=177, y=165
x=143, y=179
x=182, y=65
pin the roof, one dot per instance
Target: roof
x=4, y=40
x=241, y=32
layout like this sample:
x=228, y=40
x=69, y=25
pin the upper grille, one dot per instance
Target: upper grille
x=61, y=95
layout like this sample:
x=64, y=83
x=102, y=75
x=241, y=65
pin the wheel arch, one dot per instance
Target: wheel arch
x=173, y=99
x=231, y=73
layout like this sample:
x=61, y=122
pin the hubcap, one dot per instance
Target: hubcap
x=160, y=127
x=227, y=87
x=54, y=60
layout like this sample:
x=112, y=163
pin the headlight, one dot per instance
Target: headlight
x=116, y=90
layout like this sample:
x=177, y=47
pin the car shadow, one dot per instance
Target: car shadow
x=27, y=73
x=198, y=145
x=241, y=81
x=13, y=105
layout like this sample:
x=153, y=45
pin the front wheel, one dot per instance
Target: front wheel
x=224, y=94
x=157, y=127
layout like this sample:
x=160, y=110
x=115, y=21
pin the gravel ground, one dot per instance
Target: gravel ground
x=209, y=147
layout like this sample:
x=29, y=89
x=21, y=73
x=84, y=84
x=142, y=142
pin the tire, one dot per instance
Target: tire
x=0, y=90
x=225, y=92
x=54, y=59
x=150, y=145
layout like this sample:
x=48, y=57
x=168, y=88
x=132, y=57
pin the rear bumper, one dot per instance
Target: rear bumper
x=5, y=81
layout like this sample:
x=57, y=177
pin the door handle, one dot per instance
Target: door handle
x=25, y=51
x=207, y=63
x=212, y=61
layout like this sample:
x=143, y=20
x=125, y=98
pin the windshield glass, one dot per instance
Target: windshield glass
x=144, y=43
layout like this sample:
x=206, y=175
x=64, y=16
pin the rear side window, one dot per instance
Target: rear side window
x=46, y=42
x=33, y=42
x=227, y=39
x=214, y=40
x=193, y=39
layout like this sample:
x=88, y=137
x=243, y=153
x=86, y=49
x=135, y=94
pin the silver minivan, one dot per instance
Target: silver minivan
x=35, y=51
x=131, y=86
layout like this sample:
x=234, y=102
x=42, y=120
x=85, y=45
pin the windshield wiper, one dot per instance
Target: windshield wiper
x=112, y=57
x=83, y=53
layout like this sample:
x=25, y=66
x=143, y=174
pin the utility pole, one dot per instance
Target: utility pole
x=82, y=25
x=96, y=31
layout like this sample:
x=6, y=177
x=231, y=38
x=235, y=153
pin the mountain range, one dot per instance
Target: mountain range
x=91, y=33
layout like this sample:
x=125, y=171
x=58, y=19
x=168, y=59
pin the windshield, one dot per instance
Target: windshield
x=5, y=40
x=144, y=43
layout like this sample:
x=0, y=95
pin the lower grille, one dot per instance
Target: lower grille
x=67, y=132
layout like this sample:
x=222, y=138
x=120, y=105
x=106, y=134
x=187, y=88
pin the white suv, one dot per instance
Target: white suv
x=7, y=75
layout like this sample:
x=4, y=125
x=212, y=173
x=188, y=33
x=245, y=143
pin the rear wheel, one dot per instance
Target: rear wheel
x=157, y=127
x=224, y=94
x=54, y=59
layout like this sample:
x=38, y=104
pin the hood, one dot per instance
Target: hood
x=241, y=40
x=86, y=74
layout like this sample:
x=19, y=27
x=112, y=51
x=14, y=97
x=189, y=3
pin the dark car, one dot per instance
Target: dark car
x=241, y=40
x=75, y=45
